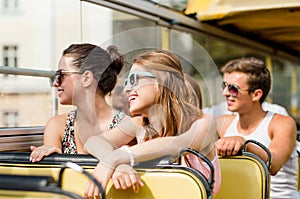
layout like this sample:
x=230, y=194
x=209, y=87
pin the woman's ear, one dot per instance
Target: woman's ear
x=87, y=78
x=257, y=94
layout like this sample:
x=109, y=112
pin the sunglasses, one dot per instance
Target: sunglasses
x=133, y=77
x=232, y=89
x=59, y=75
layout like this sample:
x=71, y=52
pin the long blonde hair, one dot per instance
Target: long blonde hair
x=176, y=99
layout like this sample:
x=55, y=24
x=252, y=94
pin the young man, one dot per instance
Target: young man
x=246, y=84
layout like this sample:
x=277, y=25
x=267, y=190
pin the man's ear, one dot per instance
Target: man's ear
x=257, y=94
x=87, y=78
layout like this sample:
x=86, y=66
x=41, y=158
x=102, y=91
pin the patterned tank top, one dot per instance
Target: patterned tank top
x=68, y=141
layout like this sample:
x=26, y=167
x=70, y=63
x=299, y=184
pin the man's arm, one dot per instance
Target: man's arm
x=201, y=134
x=282, y=132
x=283, y=139
x=227, y=146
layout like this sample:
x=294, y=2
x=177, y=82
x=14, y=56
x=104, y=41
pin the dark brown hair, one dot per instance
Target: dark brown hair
x=104, y=64
x=258, y=74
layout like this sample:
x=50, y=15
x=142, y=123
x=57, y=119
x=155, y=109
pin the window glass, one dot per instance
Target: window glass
x=35, y=34
x=48, y=27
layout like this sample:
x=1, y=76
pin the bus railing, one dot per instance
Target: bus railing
x=25, y=71
x=21, y=138
x=34, y=73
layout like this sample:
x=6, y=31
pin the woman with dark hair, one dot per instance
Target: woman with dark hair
x=79, y=67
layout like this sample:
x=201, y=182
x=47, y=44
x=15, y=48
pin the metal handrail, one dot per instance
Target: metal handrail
x=10, y=131
x=20, y=138
x=26, y=72
x=34, y=73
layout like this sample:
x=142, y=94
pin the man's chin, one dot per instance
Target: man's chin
x=231, y=109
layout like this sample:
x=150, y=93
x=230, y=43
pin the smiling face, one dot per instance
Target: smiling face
x=243, y=100
x=143, y=94
x=66, y=89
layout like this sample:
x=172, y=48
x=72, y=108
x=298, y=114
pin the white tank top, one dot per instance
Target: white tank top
x=283, y=184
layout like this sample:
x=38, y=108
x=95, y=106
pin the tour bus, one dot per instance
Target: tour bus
x=204, y=34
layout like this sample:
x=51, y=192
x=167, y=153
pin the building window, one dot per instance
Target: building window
x=10, y=5
x=10, y=119
x=10, y=56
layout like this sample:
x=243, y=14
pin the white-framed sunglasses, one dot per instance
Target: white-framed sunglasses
x=133, y=78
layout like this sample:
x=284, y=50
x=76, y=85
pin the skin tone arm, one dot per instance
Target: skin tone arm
x=124, y=177
x=282, y=137
x=227, y=146
x=198, y=136
x=51, y=140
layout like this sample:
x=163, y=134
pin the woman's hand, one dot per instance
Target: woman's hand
x=102, y=173
x=37, y=153
x=125, y=177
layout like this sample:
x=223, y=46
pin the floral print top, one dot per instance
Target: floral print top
x=68, y=141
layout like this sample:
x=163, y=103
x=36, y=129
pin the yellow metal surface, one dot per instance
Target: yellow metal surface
x=212, y=9
x=29, y=169
x=242, y=177
x=30, y=195
x=158, y=183
x=168, y=184
x=165, y=36
x=273, y=21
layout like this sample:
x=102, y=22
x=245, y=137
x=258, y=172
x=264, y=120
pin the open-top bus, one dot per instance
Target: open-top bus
x=204, y=34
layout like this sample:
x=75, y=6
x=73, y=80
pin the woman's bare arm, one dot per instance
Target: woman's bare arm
x=201, y=135
x=51, y=140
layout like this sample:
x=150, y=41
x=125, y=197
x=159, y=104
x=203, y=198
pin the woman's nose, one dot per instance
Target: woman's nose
x=55, y=84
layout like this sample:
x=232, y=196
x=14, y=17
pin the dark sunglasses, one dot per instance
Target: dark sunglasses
x=133, y=77
x=232, y=89
x=59, y=74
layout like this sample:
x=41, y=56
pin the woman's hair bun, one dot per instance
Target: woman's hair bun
x=116, y=57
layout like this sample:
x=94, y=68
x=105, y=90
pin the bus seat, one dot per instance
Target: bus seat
x=244, y=176
x=298, y=173
x=162, y=179
x=171, y=183
x=34, y=187
x=159, y=183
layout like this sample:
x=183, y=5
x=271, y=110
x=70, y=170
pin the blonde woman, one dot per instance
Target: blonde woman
x=158, y=94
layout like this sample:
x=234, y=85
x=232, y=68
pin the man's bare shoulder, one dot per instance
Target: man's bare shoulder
x=281, y=123
x=282, y=119
x=225, y=118
x=206, y=119
x=223, y=121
